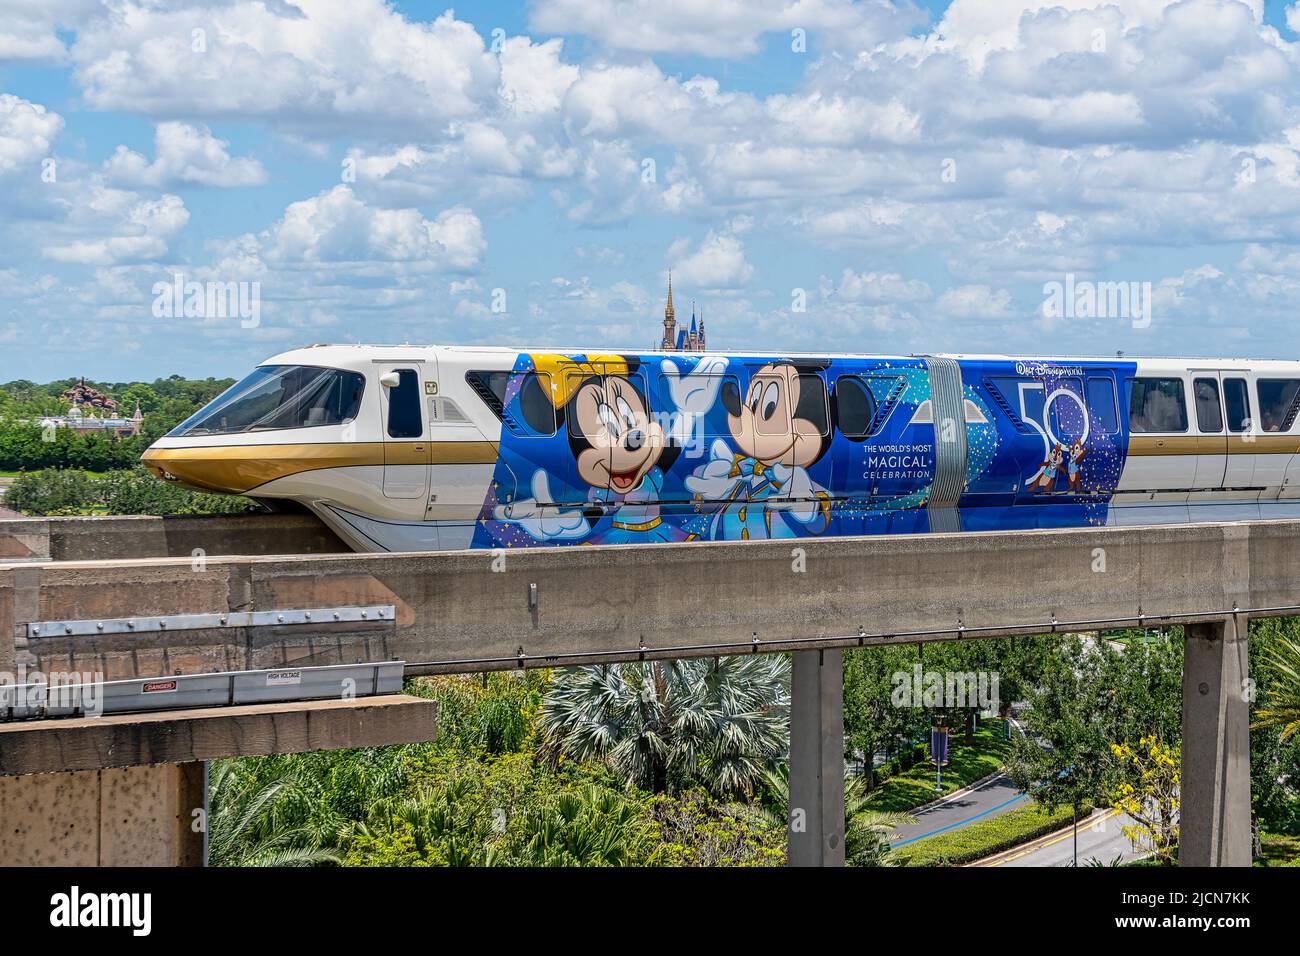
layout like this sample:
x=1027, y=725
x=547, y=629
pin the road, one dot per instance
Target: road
x=1099, y=834
x=1099, y=838
x=990, y=799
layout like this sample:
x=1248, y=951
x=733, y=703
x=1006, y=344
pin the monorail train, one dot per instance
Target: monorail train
x=401, y=448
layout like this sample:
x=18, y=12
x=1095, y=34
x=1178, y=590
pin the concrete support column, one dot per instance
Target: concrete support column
x=130, y=816
x=1215, y=793
x=816, y=824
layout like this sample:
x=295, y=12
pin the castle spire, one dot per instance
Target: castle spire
x=670, y=320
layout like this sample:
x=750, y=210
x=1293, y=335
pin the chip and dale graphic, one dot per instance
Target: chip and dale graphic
x=753, y=485
x=1061, y=460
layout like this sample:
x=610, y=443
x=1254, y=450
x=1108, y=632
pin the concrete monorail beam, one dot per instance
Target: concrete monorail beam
x=473, y=611
x=143, y=536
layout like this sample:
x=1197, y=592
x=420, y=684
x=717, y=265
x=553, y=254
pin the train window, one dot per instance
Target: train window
x=1209, y=413
x=812, y=402
x=279, y=396
x=536, y=409
x=1279, y=399
x=1068, y=416
x=1157, y=405
x=404, y=419
x=1236, y=398
x=1101, y=402
x=855, y=407
x=490, y=386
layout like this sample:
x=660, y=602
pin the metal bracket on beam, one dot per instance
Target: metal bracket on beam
x=201, y=622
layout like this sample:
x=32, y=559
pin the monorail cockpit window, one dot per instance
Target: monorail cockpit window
x=1209, y=413
x=1236, y=399
x=1157, y=405
x=279, y=396
x=1279, y=400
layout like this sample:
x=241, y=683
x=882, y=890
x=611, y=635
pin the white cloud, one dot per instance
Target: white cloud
x=28, y=28
x=975, y=302
x=534, y=79
x=27, y=132
x=139, y=229
x=336, y=226
x=722, y=28
x=184, y=154
x=874, y=287
x=299, y=64
x=717, y=263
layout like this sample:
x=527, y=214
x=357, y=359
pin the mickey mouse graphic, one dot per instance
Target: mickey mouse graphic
x=779, y=429
x=616, y=444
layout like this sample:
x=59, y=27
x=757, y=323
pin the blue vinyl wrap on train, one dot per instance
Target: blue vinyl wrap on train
x=626, y=448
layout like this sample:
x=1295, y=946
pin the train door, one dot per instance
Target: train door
x=406, y=444
x=1239, y=419
x=1211, y=432
x=1161, y=464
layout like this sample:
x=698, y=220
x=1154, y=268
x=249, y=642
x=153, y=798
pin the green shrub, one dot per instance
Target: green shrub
x=986, y=837
x=138, y=492
x=49, y=491
x=61, y=491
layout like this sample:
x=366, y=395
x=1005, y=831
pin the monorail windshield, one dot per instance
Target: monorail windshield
x=276, y=397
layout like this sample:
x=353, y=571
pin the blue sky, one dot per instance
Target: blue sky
x=908, y=180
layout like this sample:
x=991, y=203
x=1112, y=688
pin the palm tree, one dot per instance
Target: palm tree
x=242, y=831
x=451, y=825
x=447, y=823
x=1282, y=708
x=866, y=831
x=591, y=827
x=659, y=724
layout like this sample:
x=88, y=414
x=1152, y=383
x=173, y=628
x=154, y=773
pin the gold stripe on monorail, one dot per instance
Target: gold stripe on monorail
x=237, y=469
x=1140, y=446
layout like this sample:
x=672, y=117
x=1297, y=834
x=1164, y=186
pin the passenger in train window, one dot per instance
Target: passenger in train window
x=1209, y=414
x=1236, y=399
x=1277, y=403
x=1157, y=405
